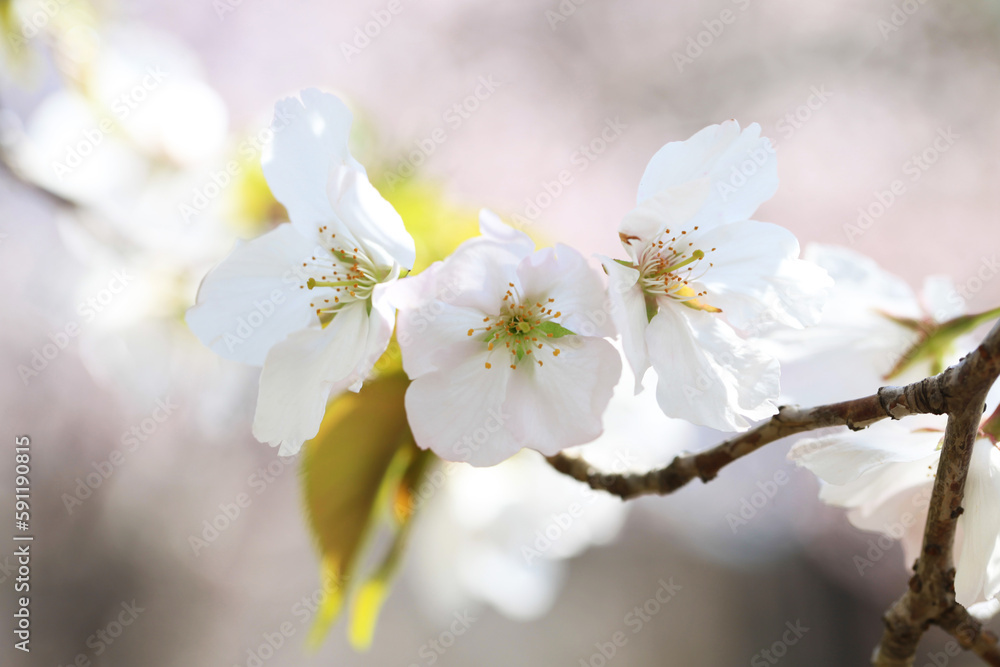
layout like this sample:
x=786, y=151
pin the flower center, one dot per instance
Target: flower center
x=521, y=330
x=667, y=267
x=344, y=275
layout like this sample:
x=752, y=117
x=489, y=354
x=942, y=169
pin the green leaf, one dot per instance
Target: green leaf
x=343, y=472
x=554, y=329
x=652, y=308
x=935, y=340
x=372, y=593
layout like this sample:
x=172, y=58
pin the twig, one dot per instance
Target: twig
x=893, y=402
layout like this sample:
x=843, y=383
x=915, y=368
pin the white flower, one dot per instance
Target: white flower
x=503, y=535
x=884, y=476
x=699, y=268
x=504, y=346
x=307, y=298
x=861, y=340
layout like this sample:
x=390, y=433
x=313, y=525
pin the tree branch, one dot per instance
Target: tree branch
x=969, y=632
x=946, y=392
x=892, y=402
x=930, y=597
x=931, y=593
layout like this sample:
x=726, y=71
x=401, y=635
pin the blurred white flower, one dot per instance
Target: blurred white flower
x=884, y=476
x=142, y=109
x=306, y=299
x=504, y=346
x=696, y=258
x=500, y=535
x=132, y=131
x=872, y=320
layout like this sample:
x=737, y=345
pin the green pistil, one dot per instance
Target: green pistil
x=695, y=256
x=522, y=334
x=312, y=282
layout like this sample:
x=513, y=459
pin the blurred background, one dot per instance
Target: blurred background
x=131, y=137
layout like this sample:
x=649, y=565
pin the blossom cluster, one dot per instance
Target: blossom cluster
x=509, y=346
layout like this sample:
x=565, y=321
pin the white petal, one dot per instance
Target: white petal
x=628, y=311
x=862, y=285
x=310, y=170
x=561, y=403
x=843, y=457
x=902, y=515
x=866, y=495
x=576, y=288
x=428, y=333
x=370, y=218
x=977, y=563
x=477, y=275
x=381, y=322
x=757, y=278
x=495, y=229
x=309, y=140
x=741, y=166
x=671, y=209
x=986, y=610
x=706, y=373
x=300, y=373
x=941, y=298
x=238, y=313
x=458, y=412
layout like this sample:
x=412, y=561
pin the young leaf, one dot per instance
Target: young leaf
x=555, y=329
x=343, y=470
